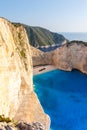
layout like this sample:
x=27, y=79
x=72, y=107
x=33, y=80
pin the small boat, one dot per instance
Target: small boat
x=42, y=69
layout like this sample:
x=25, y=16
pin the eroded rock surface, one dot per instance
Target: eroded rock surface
x=71, y=56
x=41, y=58
x=17, y=99
x=21, y=126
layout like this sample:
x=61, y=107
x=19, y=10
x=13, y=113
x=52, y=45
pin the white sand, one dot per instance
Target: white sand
x=46, y=68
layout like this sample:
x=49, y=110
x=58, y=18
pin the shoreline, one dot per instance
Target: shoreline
x=42, y=69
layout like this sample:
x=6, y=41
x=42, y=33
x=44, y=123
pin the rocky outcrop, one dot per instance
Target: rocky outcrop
x=17, y=99
x=41, y=58
x=71, y=56
x=21, y=126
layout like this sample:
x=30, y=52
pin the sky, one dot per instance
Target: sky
x=55, y=15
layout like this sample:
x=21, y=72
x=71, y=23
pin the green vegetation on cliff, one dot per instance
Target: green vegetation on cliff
x=42, y=37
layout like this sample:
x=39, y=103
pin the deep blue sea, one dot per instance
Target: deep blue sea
x=63, y=96
x=75, y=36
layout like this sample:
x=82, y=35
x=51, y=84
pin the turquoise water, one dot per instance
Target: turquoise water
x=63, y=96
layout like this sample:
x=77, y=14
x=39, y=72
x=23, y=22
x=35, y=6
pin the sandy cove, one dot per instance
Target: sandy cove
x=42, y=69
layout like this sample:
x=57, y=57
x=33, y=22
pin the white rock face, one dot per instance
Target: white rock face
x=10, y=78
x=17, y=99
x=71, y=56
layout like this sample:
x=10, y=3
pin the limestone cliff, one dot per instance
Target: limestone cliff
x=17, y=99
x=41, y=58
x=71, y=56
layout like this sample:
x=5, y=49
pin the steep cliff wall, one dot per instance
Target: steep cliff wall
x=17, y=99
x=39, y=36
x=41, y=58
x=71, y=56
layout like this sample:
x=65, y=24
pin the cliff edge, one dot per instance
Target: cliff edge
x=17, y=98
x=72, y=55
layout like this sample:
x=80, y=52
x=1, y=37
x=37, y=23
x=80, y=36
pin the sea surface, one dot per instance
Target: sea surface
x=63, y=96
x=75, y=36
